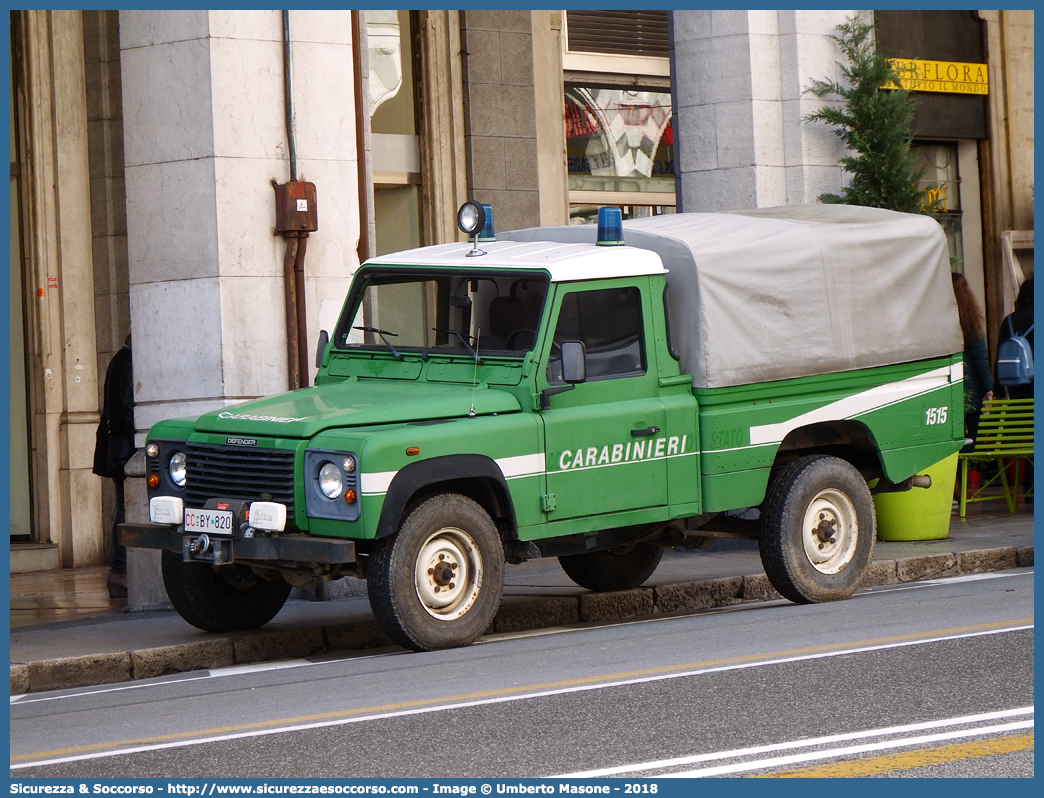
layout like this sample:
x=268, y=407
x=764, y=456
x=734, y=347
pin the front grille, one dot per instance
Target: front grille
x=232, y=472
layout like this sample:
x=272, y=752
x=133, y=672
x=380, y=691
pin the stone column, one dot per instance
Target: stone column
x=738, y=81
x=499, y=104
x=444, y=185
x=1007, y=157
x=60, y=273
x=204, y=136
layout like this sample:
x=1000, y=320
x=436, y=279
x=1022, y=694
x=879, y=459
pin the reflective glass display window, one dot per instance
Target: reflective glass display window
x=619, y=139
x=942, y=182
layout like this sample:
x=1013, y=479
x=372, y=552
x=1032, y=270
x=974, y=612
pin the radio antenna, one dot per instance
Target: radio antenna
x=474, y=381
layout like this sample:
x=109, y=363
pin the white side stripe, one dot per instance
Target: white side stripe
x=855, y=405
x=376, y=484
x=523, y=465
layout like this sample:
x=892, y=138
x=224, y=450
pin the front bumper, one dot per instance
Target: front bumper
x=294, y=548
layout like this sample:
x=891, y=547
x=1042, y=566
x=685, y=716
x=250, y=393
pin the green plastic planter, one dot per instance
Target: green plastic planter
x=920, y=513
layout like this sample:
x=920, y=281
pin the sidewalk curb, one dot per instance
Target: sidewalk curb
x=514, y=616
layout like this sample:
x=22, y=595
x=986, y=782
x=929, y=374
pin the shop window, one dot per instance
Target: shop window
x=20, y=502
x=619, y=150
x=394, y=140
x=391, y=72
x=942, y=183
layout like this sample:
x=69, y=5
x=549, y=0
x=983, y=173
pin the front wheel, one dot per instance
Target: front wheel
x=818, y=530
x=230, y=598
x=437, y=582
x=619, y=568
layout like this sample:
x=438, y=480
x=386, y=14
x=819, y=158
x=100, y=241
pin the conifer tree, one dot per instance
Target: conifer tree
x=874, y=124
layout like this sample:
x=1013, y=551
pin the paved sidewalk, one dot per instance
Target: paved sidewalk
x=116, y=648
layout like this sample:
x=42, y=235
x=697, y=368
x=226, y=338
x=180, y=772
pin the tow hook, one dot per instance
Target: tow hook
x=200, y=544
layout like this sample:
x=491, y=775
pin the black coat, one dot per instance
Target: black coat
x=115, y=438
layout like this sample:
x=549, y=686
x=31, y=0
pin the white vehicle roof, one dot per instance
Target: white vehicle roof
x=787, y=292
x=565, y=262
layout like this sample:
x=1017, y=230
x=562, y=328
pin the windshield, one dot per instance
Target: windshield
x=444, y=312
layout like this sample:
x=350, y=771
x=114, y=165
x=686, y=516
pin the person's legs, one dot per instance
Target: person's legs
x=117, y=581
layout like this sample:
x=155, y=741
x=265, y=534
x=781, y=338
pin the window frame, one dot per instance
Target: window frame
x=642, y=371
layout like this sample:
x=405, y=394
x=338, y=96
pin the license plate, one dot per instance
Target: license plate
x=213, y=522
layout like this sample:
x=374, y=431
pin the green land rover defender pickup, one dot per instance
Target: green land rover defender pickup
x=545, y=394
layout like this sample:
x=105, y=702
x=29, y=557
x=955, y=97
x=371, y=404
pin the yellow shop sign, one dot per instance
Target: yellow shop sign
x=945, y=76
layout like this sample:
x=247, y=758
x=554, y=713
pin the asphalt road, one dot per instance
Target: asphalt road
x=927, y=679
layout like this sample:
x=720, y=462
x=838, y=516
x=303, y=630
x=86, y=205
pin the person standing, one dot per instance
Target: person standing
x=114, y=447
x=978, y=381
x=1019, y=322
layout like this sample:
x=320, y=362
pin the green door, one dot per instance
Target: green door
x=605, y=440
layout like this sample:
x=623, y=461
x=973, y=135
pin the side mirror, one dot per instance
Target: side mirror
x=574, y=362
x=324, y=339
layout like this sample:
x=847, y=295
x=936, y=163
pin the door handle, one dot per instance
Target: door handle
x=638, y=433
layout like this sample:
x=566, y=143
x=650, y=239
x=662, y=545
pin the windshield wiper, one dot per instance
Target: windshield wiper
x=463, y=339
x=383, y=333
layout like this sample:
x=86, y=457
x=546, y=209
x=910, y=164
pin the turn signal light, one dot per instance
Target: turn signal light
x=413, y=450
x=349, y=496
x=153, y=480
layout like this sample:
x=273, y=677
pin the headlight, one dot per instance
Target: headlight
x=330, y=482
x=178, y=472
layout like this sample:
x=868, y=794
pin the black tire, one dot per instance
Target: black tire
x=437, y=582
x=620, y=568
x=818, y=529
x=226, y=599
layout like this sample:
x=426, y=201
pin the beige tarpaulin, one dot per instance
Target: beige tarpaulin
x=787, y=292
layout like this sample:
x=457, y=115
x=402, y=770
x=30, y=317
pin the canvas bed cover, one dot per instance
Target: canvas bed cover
x=779, y=293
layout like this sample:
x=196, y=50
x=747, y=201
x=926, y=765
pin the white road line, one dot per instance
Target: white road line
x=973, y=577
x=231, y=670
x=451, y=705
x=804, y=743
x=236, y=670
x=937, y=582
x=907, y=742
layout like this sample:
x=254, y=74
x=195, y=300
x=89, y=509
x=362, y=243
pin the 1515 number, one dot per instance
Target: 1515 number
x=935, y=415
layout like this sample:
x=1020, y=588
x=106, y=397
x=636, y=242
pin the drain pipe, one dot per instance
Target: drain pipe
x=288, y=96
x=360, y=58
x=294, y=225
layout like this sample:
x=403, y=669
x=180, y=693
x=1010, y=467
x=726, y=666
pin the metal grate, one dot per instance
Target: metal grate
x=641, y=33
x=231, y=472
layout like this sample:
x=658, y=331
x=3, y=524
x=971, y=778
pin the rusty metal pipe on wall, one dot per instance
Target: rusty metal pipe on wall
x=293, y=355
x=299, y=297
x=295, y=233
x=288, y=103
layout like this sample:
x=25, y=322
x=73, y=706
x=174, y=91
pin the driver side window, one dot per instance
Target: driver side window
x=609, y=323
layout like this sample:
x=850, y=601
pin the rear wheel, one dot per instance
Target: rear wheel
x=437, y=582
x=230, y=598
x=619, y=568
x=818, y=530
